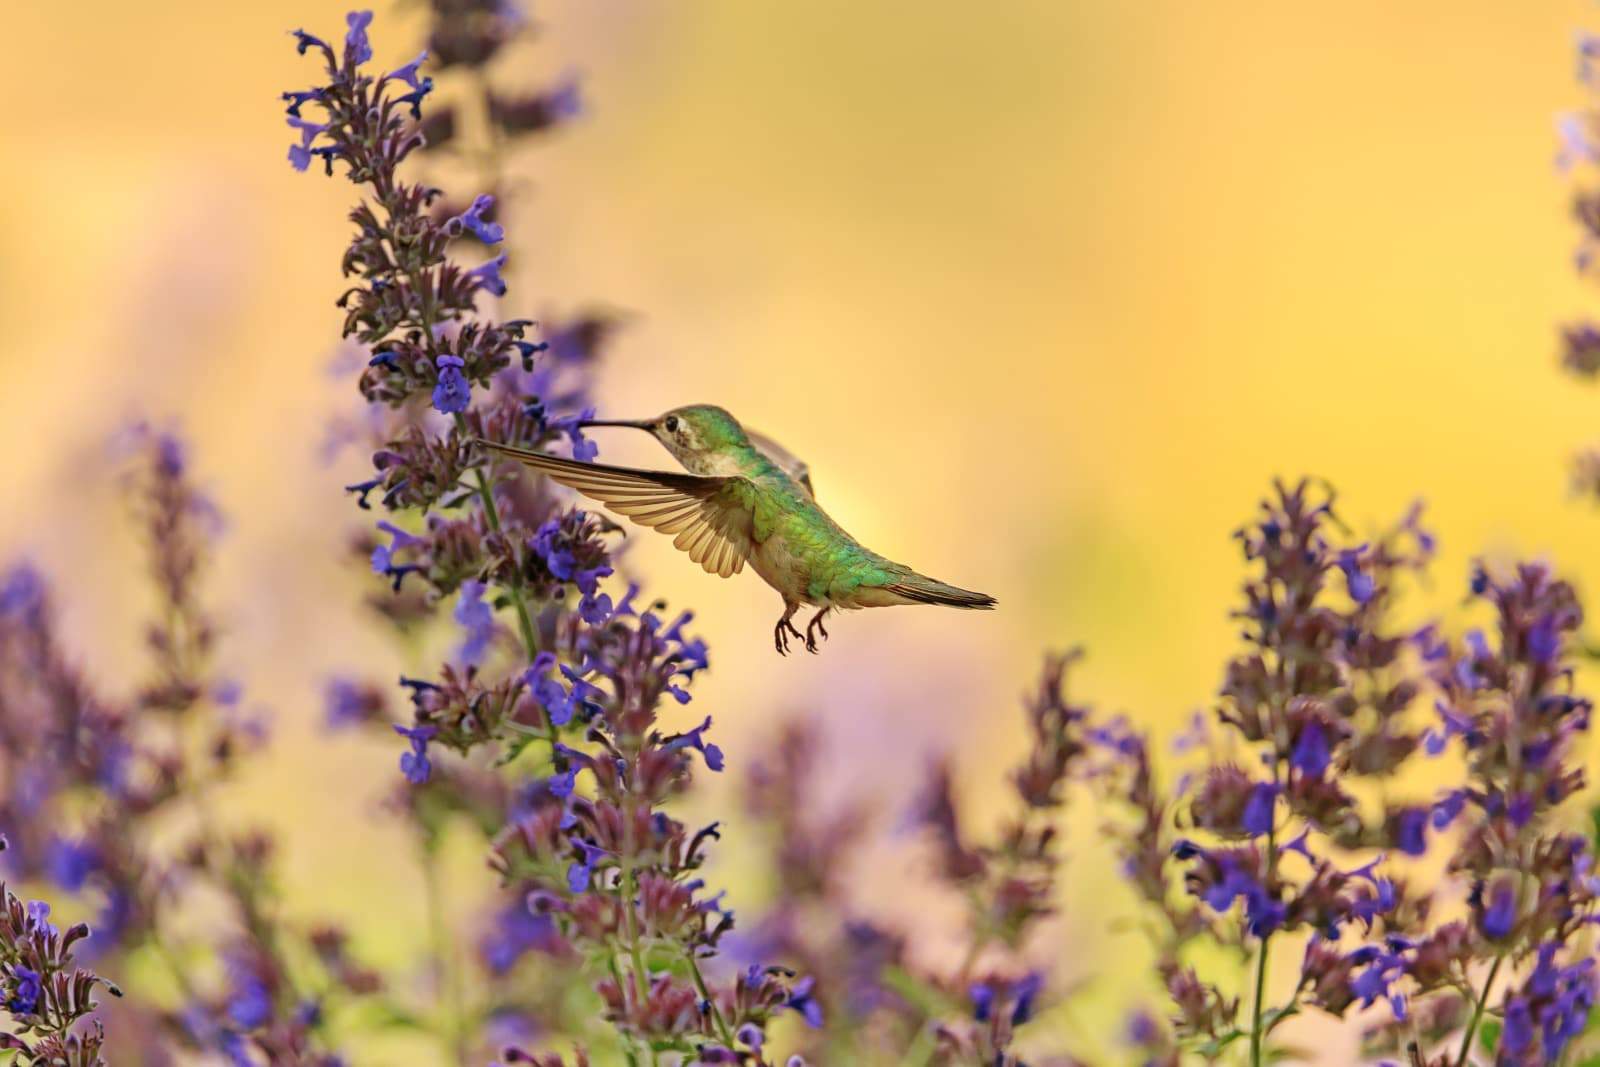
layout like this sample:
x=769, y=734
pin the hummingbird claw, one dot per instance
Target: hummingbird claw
x=816, y=625
x=781, y=632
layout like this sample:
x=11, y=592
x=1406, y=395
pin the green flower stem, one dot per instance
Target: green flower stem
x=1477, y=1014
x=705, y=993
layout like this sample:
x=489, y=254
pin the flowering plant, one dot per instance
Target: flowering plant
x=1375, y=826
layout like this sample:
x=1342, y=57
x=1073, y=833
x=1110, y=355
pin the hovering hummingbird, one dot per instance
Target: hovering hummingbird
x=746, y=498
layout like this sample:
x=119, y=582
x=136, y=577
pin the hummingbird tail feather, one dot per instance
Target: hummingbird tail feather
x=919, y=590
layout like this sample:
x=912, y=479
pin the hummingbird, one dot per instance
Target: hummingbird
x=746, y=499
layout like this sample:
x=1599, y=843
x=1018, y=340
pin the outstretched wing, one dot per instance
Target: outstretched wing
x=786, y=461
x=710, y=516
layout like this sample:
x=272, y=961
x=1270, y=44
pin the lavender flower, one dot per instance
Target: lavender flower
x=44, y=991
x=603, y=876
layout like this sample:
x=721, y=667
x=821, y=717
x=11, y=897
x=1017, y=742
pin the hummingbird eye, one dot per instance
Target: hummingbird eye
x=671, y=424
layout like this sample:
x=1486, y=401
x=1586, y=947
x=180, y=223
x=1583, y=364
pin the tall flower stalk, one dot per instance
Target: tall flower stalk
x=593, y=867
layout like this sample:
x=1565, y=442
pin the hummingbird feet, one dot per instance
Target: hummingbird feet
x=781, y=632
x=815, y=627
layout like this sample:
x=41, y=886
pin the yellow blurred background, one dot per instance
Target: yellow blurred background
x=1046, y=293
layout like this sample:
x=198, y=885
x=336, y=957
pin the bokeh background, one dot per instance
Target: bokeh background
x=1046, y=293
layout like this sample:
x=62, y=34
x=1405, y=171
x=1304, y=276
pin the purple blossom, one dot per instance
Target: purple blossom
x=1311, y=752
x=453, y=392
x=345, y=704
x=517, y=931
x=1516, y=1037
x=562, y=785
x=249, y=1002
x=357, y=48
x=1360, y=584
x=477, y=618
x=594, y=608
x=1411, y=830
x=420, y=86
x=22, y=592
x=550, y=694
x=487, y=275
x=300, y=154
x=1379, y=971
x=581, y=873
x=694, y=739
x=72, y=862
x=1501, y=913
x=415, y=764
x=472, y=221
x=802, y=1000
x=1258, y=812
x=997, y=994
x=1448, y=808
x=39, y=917
x=304, y=41
x=583, y=695
x=572, y=427
x=25, y=992
x=383, y=557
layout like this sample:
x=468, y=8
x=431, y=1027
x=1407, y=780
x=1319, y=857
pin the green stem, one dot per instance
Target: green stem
x=491, y=513
x=705, y=994
x=530, y=641
x=630, y=920
x=1477, y=1014
x=1261, y=993
x=641, y=980
x=922, y=1047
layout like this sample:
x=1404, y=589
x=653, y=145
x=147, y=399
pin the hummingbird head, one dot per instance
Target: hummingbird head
x=700, y=436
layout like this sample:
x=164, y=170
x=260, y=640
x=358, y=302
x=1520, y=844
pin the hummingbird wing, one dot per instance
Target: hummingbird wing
x=711, y=517
x=786, y=461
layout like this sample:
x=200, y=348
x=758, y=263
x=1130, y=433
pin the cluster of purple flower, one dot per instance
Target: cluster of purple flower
x=556, y=724
x=547, y=731
x=1282, y=832
x=1323, y=701
x=881, y=1000
x=1010, y=884
x=109, y=800
x=43, y=991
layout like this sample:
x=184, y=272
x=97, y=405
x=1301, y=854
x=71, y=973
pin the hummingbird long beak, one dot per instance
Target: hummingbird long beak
x=637, y=424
